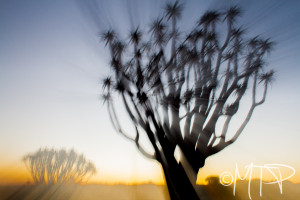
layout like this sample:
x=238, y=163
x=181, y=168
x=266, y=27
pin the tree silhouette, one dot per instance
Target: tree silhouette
x=176, y=88
x=213, y=185
x=50, y=166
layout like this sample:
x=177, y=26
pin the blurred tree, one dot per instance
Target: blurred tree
x=218, y=191
x=176, y=88
x=50, y=166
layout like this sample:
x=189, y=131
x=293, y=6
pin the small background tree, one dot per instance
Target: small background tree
x=51, y=166
x=176, y=88
x=218, y=191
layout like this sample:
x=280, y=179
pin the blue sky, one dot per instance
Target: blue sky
x=51, y=66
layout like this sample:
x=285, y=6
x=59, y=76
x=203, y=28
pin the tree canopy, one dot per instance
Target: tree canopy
x=166, y=77
x=51, y=166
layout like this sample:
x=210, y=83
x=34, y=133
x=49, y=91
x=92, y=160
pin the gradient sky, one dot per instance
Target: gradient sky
x=51, y=66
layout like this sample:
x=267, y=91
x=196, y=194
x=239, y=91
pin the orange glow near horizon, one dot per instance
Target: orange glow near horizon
x=19, y=175
x=14, y=175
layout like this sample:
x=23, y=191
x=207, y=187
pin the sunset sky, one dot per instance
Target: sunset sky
x=52, y=64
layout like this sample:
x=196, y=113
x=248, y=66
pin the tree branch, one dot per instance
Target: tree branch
x=140, y=148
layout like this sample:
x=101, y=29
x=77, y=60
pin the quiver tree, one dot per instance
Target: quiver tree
x=50, y=166
x=176, y=87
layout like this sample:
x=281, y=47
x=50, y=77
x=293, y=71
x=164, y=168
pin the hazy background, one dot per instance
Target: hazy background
x=52, y=64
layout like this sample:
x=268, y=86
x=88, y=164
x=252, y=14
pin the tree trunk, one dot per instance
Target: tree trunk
x=178, y=182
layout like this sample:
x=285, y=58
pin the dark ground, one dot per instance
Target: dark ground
x=144, y=192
